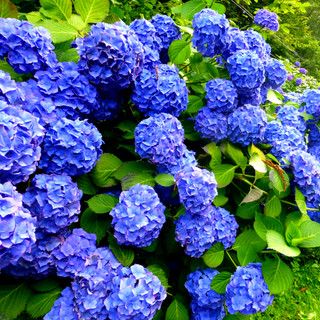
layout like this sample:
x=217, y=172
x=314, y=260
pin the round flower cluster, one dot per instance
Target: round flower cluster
x=8, y=90
x=267, y=19
x=54, y=200
x=303, y=71
x=25, y=48
x=276, y=74
x=16, y=224
x=138, y=217
x=160, y=90
x=203, y=298
x=71, y=147
x=21, y=136
x=111, y=56
x=210, y=31
x=290, y=116
x=258, y=45
x=311, y=98
x=235, y=41
x=247, y=291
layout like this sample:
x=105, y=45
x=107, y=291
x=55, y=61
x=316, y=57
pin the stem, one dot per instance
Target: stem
x=244, y=175
x=251, y=184
x=268, y=251
x=231, y=259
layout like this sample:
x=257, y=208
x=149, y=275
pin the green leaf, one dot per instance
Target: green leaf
x=164, y=179
x=296, y=217
x=246, y=254
x=13, y=299
x=59, y=9
x=130, y=167
x=214, y=256
x=248, y=210
x=153, y=246
x=92, y=11
x=177, y=311
x=131, y=180
x=102, y=203
x=220, y=200
x=271, y=96
x=160, y=273
x=224, y=174
x=301, y=201
x=94, y=223
x=104, y=169
x=190, y=8
x=195, y=103
x=4, y=66
x=262, y=224
x=40, y=304
x=253, y=195
x=77, y=22
x=279, y=181
x=84, y=183
x=292, y=232
x=220, y=281
x=60, y=30
x=256, y=162
x=215, y=153
x=179, y=51
x=8, y=9
x=277, y=275
x=273, y=206
x=125, y=255
x=111, y=18
x=45, y=285
x=310, y=233
x=221, y=9
x=68, y=55
x=159, y=315
x=249, y=237
x=276, y=241
x=234, y=153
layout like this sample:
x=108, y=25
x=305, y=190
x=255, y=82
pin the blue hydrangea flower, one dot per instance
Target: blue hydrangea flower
x=71, y=256
x=253, y=97
x=276, y=74
x=9, y=91
x=298, y=64
x=290, y=77
x=157, y=138
x=211, y=124
x=210, y=31
x=94, y=284
x=110, y=56
x=290, y=116
x=71, y=147
x=274, y=132
x=160, y=90
x=311, y=98
x=167, y=31
x=17, y=226
x=206, y=313
x=197, y=188
x=20, y=139
x=235, y=41
x=25, y=48
x=63, y=307
x=257, y=44
x=70, y=91
x=247, y=124
x=247, y=291
x=138, y=217
x=246, y=70
x=298, y=81
x=303, y=71
x=314, y=149
x=221, y=95
x=137, y=294
x=314, y=133
x=267, y=19
x=54, y=200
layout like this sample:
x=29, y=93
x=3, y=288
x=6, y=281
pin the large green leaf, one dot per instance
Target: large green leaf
x=59, y=9
x=102, y=203
x=84, y=183
x=301, y=201
x=195, y=103
x=160, y=273
x=177, y=311
x=8, y=9
x=124, y=254
x=249, y=237
x=92, y=11
x=165, y=180
x=248, y=210
x=220, y=8
x=215, y=153
x=292, y=232
x=131, y=180
x=253, y=195
x=68, y=55
x=273, y=206
x=277, y=275
x=46, y=284
x=130, y=167
x=224, y=174
x=310, y=234
x=257, y=163
x=220, y=281
x=13, y=299
x=234, y=153
x=40, y=304
x=246, y=254
x=179, y=51
x=190, y=8
x=279, y=181
x=214, y=256
x=262, y=224
x=4, y=66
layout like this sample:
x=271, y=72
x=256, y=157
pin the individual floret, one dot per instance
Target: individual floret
x=20, y=139
x=210, y=31
x=247, y=125
x=311, y=98
x=136, y=295
x=267, y=19
x=276, y=74
x=111, y=56
x=290, y=116
x=17, y=226
x=138, y=217
x=160, y=90
x=71, y=147
x=54, y=200
x=247, y=291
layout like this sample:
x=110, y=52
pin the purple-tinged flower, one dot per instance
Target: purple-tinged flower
x=303, y=70
x=267, y=19
x=298, y=64
x=290, y=77
x=298, y=81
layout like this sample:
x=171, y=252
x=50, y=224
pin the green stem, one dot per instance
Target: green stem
x=251, y=184
x=231, y=259
x=244, y=175
x=268, y=251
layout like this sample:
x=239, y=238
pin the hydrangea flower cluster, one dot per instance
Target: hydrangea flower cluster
x=290, y=116
x=21, y=136
x=267, y=19
x=276, y=74
x=311, y=98
x=25, y=48
x=203, y=298
x=258, y=45
x=210, y=31
x=235, y=41
x=17, y=226
x=8, y=90
x=247, y=291
x=160, y=90
x=54, y=200
x=71, y=147
x=138, y=217
x=110, y=68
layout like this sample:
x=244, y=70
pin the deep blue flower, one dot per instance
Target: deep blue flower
x=314, y=149
x=267, y=19
x=210, y=31
x=247, y=291
x=311, y=98
x=160, y=90
x=138, y=217
x=253, y=97
x=235, y=41
x=247, y=124
x=258, y=45
x=314, y=133
x=71, y=147
x=9, y=91
x=276, y=74
x=298, y=81
x=290, y=116
x=274, y=132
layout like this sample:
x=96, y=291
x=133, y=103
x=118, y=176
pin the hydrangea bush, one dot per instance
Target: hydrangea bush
x=166, y=169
